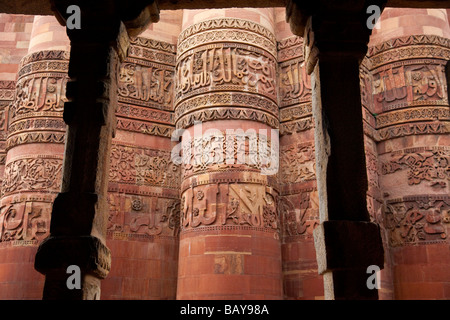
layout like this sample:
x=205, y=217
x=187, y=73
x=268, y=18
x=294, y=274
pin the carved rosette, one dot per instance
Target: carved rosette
x=407, y=112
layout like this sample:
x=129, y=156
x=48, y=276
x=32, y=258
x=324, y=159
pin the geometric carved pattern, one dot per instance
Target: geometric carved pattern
x=410, y=47
x=229, y=30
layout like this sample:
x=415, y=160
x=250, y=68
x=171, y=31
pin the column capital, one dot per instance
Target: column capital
x=86, y=252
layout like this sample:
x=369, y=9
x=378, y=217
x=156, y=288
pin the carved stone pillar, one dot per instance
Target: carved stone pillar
x=408, y=93
x=35, y=147
x=346, y=242
x=79, y=216
x=144, y=219
x=298, y=205
x=226, y=100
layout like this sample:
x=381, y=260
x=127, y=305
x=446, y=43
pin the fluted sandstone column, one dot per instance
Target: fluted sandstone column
x=407, y=58
x=226, y=100
x=144, y=219
x=298, y=204
x=35, y=147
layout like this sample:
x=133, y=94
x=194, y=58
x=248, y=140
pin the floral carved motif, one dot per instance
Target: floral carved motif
x=32, y=174
x=297, y=163
x=419, y=219
x=143, y=167
x=423, y=164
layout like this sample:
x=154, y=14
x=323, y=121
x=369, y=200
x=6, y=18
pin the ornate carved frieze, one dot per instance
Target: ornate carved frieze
x=409, y=47
x=290, y=48
x=35, y=115
x=143, y=166
x=417, y=219
x=296, y=112
x=148, y=85
x=409, y=84
x=39, y=93
x=227, y=114
x=413, y=114
x=7, y=91
x=152, y=50
x=294, y=88
x=226, y=99
x=412, y=129
x=137, y=217
x=297, y=163
x=35, y=137
x=228, y=151
x=32, y=124
x=296, y=126
x=225, y=67
x=143, y=113
x=294, y=83
x=403, y=84
x=423, y=164
x=38, y=173
x=227, y=29
x=373, y=169
x=149, y=128
x=299, y=214
x=227, y=204
x=25, y=221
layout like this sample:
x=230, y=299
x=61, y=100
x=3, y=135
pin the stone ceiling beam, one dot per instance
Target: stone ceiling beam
x=43, y=7
x=80, y=211
x=347, y=243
